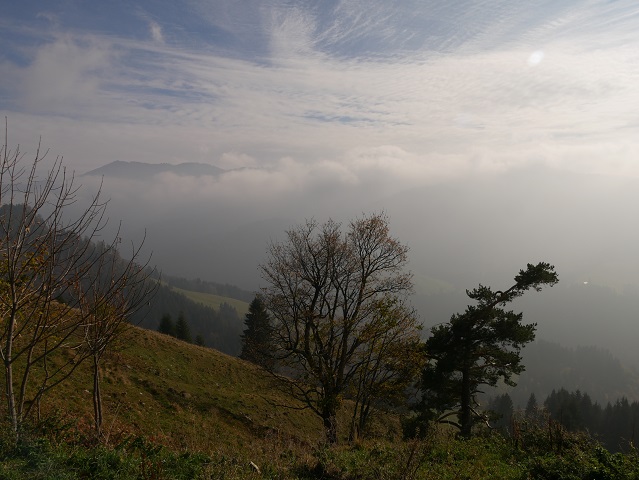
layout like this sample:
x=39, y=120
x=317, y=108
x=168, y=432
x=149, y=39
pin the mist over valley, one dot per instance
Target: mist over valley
x=460, y=233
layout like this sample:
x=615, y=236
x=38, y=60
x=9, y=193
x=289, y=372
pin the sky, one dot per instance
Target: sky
x=493, y=133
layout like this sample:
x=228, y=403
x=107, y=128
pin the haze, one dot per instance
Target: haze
x=492, y=133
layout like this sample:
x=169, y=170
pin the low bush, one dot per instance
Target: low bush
x=539, y=452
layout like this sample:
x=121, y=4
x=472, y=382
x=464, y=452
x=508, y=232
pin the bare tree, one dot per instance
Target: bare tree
x=114, y=291
x=43, y=256
x=324, y=290
x=390, y=362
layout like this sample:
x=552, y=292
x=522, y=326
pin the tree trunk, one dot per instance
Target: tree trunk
x=8, y=371
x=330, y=426
x=465, y=420
x=363, y=416
x=353, y=432
x=11, y=399
x=97, y=397
x=25, y=380
x=329, y=417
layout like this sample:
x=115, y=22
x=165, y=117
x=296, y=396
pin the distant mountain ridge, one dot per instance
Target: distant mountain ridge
x=143, y=171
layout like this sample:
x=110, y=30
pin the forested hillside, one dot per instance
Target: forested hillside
x=613, y=424
x=551, y=366
x=219, y=329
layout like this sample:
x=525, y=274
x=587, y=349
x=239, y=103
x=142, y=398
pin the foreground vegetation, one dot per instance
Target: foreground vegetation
x=175, y=410
x=441, y=456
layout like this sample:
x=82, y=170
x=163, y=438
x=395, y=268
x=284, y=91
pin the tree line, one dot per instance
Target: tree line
x=179, y=329
x=615, y=426
x=219, y=329
x=590, y=369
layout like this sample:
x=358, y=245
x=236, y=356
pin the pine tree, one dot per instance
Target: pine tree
x=167, y=326
x=532, y=407
x=502, y=407
x=182, y=329
x=256, y=338
x=564, y=407
x=478, y=347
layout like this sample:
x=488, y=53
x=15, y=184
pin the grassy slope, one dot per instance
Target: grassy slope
x=186, y=396
x=214, y=301
x=199, y=400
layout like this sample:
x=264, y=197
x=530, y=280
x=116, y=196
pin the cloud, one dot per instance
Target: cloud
x=64, y=78
x=156, y=32
x=234, y=160
x=329, y=109
x=310, y=103
x=49, y=17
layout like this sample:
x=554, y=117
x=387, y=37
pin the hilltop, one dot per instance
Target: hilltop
x=143, y=171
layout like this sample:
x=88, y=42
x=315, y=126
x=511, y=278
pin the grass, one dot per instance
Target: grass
x=439, y=456
x=198, y=398
x=176, y=410
x=214, y=301
x=184, y=397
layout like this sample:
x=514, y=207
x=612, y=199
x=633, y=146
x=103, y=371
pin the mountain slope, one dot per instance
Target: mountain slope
x=592, y=370
x=222, y=419
x=144, y=171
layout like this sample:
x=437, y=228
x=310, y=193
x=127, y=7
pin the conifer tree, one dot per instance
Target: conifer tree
x=503, y=410
x=182, y=329
x=479, y=347
x=167, y=326
x=256, y=338
x=532, y=407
